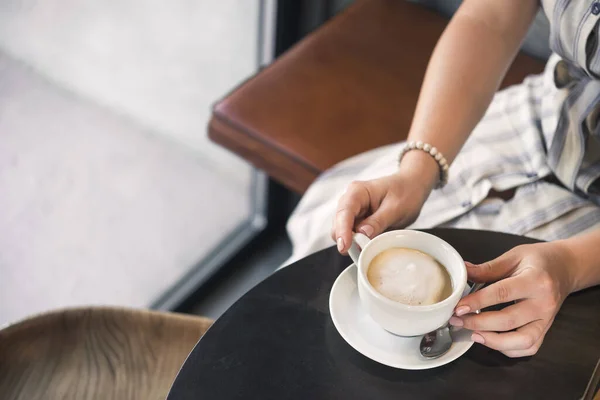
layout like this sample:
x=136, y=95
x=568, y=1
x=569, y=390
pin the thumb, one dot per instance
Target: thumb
x=386, y=215
x=494, y=270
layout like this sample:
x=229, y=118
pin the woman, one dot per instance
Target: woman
x=525, y=160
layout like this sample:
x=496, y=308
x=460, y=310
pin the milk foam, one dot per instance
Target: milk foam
x=409, y=276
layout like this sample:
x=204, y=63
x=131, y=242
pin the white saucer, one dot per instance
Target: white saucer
x=368, y=338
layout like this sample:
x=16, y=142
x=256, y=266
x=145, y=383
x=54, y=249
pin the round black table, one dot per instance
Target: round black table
x=278, y=342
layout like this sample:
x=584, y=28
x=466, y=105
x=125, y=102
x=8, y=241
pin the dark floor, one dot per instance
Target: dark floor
x=253, y=264
x=241, y=275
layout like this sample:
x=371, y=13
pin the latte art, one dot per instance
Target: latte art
x=409, y=276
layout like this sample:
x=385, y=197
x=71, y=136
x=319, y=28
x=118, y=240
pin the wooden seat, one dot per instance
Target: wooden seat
x=96, y=353
x=349, y=87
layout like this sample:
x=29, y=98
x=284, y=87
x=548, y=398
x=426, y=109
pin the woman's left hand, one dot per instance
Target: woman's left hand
x=536, y=277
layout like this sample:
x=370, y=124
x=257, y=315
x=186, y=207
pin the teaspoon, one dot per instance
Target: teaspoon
x=436, y=343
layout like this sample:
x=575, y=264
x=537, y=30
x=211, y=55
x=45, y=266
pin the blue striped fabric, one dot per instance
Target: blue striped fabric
x=546, y=126
x=574, y=37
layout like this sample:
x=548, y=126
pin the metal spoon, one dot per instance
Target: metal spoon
x=436, y=343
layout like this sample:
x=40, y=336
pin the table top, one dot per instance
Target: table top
x=278, y=342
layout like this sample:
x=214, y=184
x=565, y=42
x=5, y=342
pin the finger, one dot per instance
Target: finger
x=511, y=317
x=525, y=353
x=351, y=205
x=533, y=349
x=521, y=339
x=509, y=289
x=520, y=353
x=381, y=219
x=494, y=270
x=332, y=230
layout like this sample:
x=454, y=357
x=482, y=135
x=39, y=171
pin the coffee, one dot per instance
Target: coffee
x=409, y=276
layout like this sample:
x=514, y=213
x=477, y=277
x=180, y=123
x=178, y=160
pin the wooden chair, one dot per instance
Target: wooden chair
x=350, y=86
x=96, y=353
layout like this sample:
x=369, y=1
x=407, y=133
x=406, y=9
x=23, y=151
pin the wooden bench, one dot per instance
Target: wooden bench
x=350, y=86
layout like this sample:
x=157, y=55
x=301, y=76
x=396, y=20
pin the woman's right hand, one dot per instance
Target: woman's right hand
x=372, y=206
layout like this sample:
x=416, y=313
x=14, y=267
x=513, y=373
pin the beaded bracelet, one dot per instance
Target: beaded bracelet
x=433, y=152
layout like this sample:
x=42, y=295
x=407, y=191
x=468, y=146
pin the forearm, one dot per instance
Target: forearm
x=584, y=252
x=465, y=70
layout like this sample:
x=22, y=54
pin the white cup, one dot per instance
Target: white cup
x=398, y=318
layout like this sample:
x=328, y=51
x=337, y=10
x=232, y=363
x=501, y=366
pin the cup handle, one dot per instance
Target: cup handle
x=359, y=241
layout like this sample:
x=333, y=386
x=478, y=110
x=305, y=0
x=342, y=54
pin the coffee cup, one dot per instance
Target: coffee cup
x=394, y=316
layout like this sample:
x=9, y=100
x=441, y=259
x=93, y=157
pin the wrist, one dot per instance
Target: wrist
x=569, y=261
x=420, y=168
x=583, y=263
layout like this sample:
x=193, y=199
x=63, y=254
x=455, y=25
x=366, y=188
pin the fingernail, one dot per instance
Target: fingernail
x=340, y=244
x=462, y=310
x=456, y=321
x=477, y=338
x=367, y=230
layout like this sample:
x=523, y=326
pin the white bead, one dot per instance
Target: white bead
x=445, y=167
x=433, y=151
x=411, y=145
x=419, y=145
x=426, y=147
x=438, y=157
x=443, y=162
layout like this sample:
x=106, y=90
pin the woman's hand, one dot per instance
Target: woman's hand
x=372, y=206
x=537, y=278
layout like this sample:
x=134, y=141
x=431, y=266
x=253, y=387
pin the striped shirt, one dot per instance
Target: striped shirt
x=540, y=138
x=574, y=37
